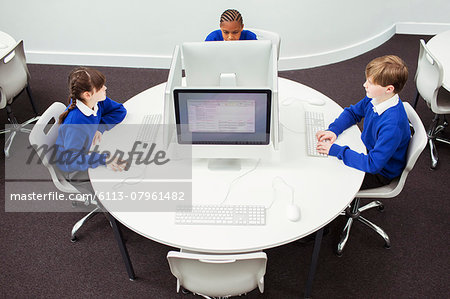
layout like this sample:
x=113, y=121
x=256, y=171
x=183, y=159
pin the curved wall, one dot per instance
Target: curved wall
x=143, y=33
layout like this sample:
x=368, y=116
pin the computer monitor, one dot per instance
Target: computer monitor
x=224, y=123
x=233, y=63
x=242, y=65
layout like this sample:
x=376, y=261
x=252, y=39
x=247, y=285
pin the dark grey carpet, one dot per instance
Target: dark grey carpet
x=38, y=259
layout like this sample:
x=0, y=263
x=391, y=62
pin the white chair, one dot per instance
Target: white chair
x=428, y=81
x=416, y=145
x=42, y=138
x=218, y=275
x=268, y=35
x=14, y=78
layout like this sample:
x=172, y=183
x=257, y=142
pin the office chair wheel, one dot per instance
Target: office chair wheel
x=338, y=253
x=74, y=239
x=387, y=246
x=381, y=208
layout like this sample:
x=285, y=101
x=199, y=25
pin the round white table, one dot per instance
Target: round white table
x=439, y=46
x=323, y=186
x=318, y=183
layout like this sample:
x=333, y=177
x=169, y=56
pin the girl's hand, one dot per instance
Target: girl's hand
x=97, y=138
x=116, y=164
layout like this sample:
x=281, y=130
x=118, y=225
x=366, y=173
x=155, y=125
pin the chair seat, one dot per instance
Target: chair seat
x=387, y=191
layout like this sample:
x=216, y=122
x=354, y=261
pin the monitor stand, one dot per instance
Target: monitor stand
x=228, y=80
x=224, y=164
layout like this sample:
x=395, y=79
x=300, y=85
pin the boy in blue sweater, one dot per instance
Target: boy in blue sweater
x=386, y=131
x=231, y=28
x=88, y=115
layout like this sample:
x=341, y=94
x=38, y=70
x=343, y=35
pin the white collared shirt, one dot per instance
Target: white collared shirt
x=379, y=108
x=85, y=109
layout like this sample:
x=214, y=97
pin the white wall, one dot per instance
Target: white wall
x=141, y=33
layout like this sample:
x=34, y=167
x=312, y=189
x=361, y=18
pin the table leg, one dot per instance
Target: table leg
x=315, y=257
x=122, y=247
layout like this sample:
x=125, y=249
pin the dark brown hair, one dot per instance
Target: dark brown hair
x=231, y=15
x=82, y=79
x=388, y=70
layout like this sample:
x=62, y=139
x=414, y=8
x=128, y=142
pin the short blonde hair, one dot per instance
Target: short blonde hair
x=388, y=70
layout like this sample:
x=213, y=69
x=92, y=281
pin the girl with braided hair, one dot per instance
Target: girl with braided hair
x=231, y=28
x=88, y=115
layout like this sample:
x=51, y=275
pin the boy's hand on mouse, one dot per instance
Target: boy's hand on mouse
x=326, y=135
x=323, y=147
x=97, y=138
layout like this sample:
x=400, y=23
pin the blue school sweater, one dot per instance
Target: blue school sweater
x=385, y=136
x=217, y=36
x=76, y=133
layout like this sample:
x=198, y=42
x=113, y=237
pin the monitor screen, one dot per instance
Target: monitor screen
x=223, y=116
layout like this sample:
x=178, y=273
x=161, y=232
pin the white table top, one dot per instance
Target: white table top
x=6, y=43
x=323, y=186
x=439, y=46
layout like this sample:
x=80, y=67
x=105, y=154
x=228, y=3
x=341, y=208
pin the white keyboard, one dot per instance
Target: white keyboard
x=314, y=122
x=221, y=215
x=149, y=129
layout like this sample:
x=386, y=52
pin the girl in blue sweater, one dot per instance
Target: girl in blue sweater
x=88, y=115
x=386, y=131
x=231, y=28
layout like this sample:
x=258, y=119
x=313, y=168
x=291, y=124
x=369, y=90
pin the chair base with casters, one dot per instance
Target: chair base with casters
x=437, y=126
x=15, y=126
x=353, y=212
x=81, y=222
x=433, y=135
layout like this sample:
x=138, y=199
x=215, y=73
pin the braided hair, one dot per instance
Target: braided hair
x=231, y=15
x=82, y=79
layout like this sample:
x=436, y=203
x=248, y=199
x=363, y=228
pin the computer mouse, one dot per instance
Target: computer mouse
x=293, y=212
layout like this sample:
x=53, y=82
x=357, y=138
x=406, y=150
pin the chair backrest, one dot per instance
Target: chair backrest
x=416, y=145
x=43, y=137
x=268, y=35
x=429, y=76
x=14, y=74
x=218, y=275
